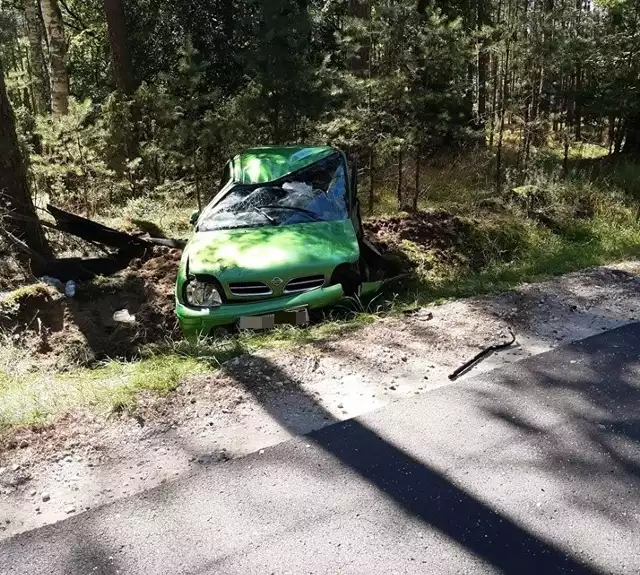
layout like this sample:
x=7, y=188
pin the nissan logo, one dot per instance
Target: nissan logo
x=276, y=281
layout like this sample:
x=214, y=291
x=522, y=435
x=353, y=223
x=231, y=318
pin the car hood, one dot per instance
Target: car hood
x=254, y=254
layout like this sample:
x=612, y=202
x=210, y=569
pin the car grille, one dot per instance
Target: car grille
x=249, y=289
x=307, y=283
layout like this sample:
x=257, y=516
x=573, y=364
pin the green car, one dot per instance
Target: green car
x=283, y=235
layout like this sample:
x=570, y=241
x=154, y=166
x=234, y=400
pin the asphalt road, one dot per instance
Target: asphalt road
x=530, y=469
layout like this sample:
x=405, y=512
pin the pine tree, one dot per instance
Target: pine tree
x=33, y=23
x=119, y=44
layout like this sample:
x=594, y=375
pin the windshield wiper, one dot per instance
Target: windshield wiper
x=262, y=212
x=296, y=209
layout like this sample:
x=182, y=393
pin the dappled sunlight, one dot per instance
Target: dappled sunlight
x=281, y=250
x=587, y=432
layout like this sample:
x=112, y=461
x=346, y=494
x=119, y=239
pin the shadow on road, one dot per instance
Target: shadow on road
x=592, y=429
x=588, y=396
x=593, y=414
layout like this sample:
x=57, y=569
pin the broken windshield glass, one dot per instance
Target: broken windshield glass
x=317, y=193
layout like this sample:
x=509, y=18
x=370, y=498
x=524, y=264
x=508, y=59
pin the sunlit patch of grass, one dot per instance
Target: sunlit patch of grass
x=159, y=215
x=37, y=397
x=544, y=254
x=335, y=322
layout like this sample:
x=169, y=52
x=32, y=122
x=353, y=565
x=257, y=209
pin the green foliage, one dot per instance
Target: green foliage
x=214, y=77
x=88, y=56
x=68, y=160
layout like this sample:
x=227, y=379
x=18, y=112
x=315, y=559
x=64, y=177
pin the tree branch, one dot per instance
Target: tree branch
x=75, y=16
x=21, y=246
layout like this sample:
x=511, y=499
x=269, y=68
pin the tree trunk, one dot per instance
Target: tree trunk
x=577, y=85
x=17, y=213
x=119, y=44
x=359, y=62
x=495, y=81
x=620, y=131
x=578, y=104
x=483, y=64
x=469, y=25
x=612, y=132
x=632, y=136
x=57, y=57
x=371, y=179
x=38, y=66
x=416, y=196
x=123, y=71
x=494, y=98
x=505, y=93
x=399, y=187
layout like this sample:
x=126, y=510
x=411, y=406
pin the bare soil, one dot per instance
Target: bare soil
x=447, y=238
x=61, y=332
x=256, y=400
x=64, y=331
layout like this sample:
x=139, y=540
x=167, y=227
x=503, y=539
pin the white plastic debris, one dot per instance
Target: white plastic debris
x=123, y=316
x=297, y=187
x=70, y=288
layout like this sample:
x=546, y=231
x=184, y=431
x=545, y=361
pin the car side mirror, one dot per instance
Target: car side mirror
x=193, y=220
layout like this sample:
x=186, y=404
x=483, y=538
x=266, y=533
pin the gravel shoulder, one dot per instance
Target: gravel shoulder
x=257, y=400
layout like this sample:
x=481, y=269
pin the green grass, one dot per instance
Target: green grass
x=545, y=255
x=163, y=214
x=35, y=398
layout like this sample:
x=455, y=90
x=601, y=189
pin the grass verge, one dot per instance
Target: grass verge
x=34, y=398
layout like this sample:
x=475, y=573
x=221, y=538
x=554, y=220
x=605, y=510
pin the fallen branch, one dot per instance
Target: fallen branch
x=95, y=232
x=168, y=242
x=85, y=268
x=480, y=356
x=23, y=247
x=98, y=233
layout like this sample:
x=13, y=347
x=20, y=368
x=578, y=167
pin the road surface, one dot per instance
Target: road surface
x=530, y=469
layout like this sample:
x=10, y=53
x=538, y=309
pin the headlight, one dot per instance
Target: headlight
x=202, y=294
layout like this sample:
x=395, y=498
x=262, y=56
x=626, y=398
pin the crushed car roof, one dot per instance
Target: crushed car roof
x=265, y=164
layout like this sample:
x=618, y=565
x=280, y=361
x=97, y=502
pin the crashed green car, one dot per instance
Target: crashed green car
x=282, y=236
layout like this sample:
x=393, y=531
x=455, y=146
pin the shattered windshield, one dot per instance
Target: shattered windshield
x=317, y=193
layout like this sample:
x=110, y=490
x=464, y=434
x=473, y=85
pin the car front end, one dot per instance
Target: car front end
x=226, y=275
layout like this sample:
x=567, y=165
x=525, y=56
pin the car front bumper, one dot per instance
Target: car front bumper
x=200, y=321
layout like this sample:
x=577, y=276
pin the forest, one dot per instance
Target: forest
x=116, y=100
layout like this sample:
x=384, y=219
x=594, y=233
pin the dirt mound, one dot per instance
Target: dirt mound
x=158, y=274
x=28, y=311
x=446, y=237
x=430, y=230
x=82, y=329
